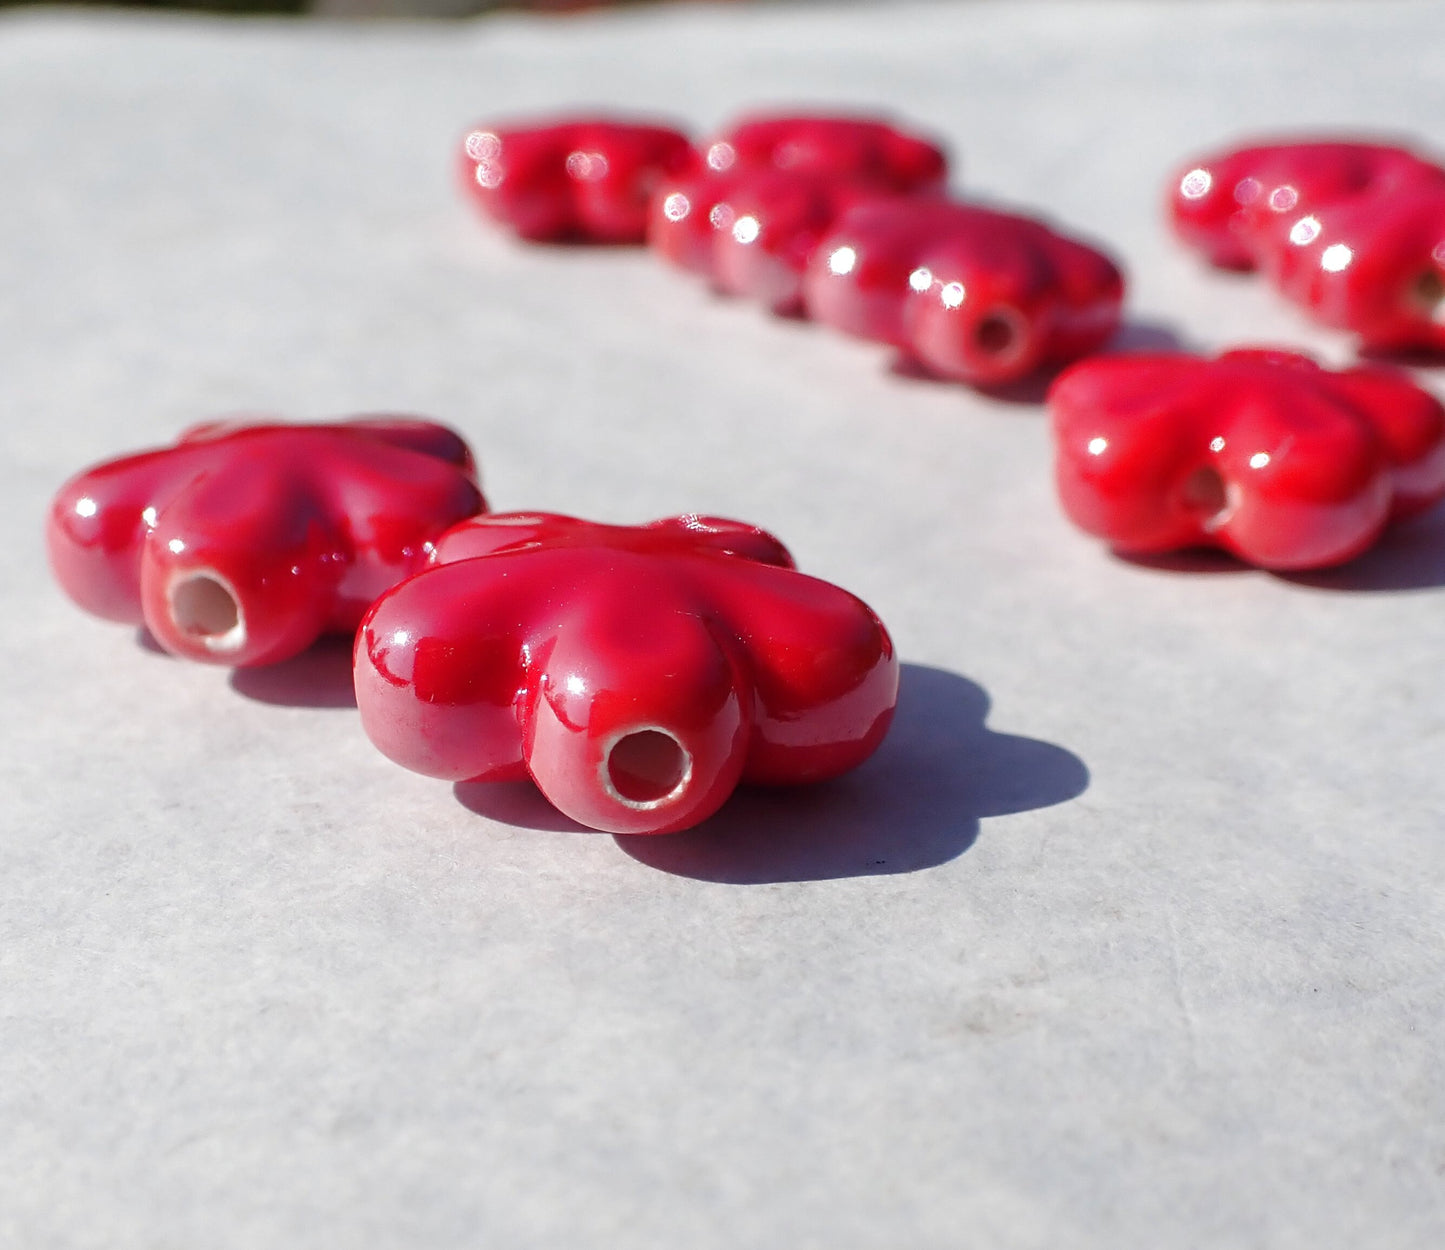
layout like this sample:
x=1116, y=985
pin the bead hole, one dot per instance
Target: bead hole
x=1206, y=494
x=203, y=608
x=1428, y=292
x=995, y=334
x=647, y=766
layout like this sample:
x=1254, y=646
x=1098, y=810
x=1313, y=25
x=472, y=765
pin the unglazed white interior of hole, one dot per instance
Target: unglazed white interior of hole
x=203, y=607
x=646, y=767
x=1210, y=497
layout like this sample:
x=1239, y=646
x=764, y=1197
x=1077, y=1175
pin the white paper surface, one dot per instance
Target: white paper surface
x=1132, y=934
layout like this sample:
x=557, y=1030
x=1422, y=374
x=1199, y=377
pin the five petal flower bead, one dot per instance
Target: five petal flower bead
x=581, y=180
x=1352, y=232
x=770, y=187
x=243, y=543
x=637, y=674
x=968, y=293
x=1262, y=453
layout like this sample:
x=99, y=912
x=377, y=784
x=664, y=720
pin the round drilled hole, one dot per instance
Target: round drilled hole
x=1428, y=291
x=1207, y=495
x=647, y=766
x=996, y=334
x=203, y=608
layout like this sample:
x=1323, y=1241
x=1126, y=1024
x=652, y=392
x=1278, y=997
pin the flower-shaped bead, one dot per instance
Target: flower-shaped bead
x=1352, y=232
x=243, y=543
x=637, y=674
x=582, y=180
x=771, y=188
x=968, y=293
x=1262, y=453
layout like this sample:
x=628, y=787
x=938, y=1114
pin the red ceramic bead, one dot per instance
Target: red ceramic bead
x=752, y=231
x=865, y=148
x=1352, y=232
x=1261, y=453
x=968, y=293
x=637, y=674
x=586, y=180
x=243, y=543
x=771, y=188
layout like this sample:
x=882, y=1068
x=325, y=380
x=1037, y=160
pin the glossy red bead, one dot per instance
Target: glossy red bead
x=1352, y=232
x=770, y=189
x=866, y=148
x=243, y=543
x=752, y=231
x=968, y=293
x=582, y=180
x=636, y=674
x=1261, y=453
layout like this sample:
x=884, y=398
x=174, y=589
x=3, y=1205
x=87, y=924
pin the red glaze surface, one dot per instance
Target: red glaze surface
x=243, y=543
x=1352, y=232
x=852, y=147
x=584, y=180
x=1262, y=453
x=637, y=674
x=969, y=293
x=770, y=189
x=752, y=230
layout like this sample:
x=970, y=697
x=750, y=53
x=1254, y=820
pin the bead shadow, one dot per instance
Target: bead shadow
x=1413, y=357
x=1145, y=336
x=916, y=804
x=517, y=803
x=146, y=641
x=319, y=677
x=1191, y=561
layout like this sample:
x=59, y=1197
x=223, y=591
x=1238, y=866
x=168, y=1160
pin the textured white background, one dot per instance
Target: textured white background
x=1133, y=935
